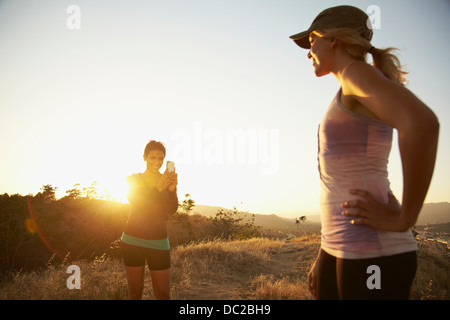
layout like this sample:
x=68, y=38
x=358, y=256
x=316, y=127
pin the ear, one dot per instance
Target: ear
x=333, y=43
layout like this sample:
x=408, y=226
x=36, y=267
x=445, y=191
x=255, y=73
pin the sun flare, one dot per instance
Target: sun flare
x=115, y=191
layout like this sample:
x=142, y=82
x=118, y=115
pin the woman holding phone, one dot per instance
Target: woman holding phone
x=363, y=225
x=153, y=198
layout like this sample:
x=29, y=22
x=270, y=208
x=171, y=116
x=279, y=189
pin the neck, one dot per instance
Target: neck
x=342, y=60
x=151, y=172
x=152, y=177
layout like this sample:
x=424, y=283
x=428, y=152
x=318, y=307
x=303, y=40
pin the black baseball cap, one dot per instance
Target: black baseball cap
x=337, y=17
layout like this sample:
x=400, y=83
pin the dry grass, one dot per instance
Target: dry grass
x=257, y=268
x=101, y=279
x=266, y=287
x=432, y=281
x=227, y=266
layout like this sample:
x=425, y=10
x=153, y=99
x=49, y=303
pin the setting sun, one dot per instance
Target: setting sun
x=213, y=150
x=118, y=191
x=84, y=102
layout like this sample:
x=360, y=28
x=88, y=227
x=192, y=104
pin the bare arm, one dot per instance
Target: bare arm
x=418, y=130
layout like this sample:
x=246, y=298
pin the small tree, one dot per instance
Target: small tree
x=91, y=192
x=74, y=193
x=48, y=193
x=231, y=225
x=298, y=221
x=301, y=219
x=187, y=204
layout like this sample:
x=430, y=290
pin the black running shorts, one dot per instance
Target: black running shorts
x=134, y=256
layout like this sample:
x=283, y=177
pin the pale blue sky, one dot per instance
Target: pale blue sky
x=78, y=106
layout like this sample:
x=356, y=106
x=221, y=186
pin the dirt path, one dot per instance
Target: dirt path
x=289, y=263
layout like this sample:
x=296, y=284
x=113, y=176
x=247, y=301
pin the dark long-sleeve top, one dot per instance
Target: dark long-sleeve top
x=150, y=209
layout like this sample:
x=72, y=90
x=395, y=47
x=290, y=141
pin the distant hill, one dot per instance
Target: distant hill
x=432, y=213
x=264, y=220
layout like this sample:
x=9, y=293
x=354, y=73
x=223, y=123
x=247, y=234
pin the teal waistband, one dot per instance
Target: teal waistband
x=162, y=244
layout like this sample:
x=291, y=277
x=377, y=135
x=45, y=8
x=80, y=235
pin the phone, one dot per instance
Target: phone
x=170, y=166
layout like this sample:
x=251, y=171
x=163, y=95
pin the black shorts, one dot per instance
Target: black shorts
x=134, y=256
x=348, y=279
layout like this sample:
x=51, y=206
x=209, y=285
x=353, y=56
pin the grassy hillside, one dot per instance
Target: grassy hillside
x=225, y=256
x=257, y=268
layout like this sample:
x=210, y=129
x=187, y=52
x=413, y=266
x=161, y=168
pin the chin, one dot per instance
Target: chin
x=320, y=73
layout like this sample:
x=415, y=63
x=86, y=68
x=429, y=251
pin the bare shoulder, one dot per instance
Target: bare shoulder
x=387, y=100
x=358, y=68
x=362, y=79
x=134, y=179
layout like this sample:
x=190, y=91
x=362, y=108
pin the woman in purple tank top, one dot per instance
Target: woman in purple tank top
x=367, y=248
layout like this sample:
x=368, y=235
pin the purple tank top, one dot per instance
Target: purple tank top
x=353, y=154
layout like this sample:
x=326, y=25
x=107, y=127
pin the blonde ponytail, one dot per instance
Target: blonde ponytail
x=386, y=61
x=358, y=47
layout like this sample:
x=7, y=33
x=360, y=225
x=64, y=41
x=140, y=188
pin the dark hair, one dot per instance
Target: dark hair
x=154, y=145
